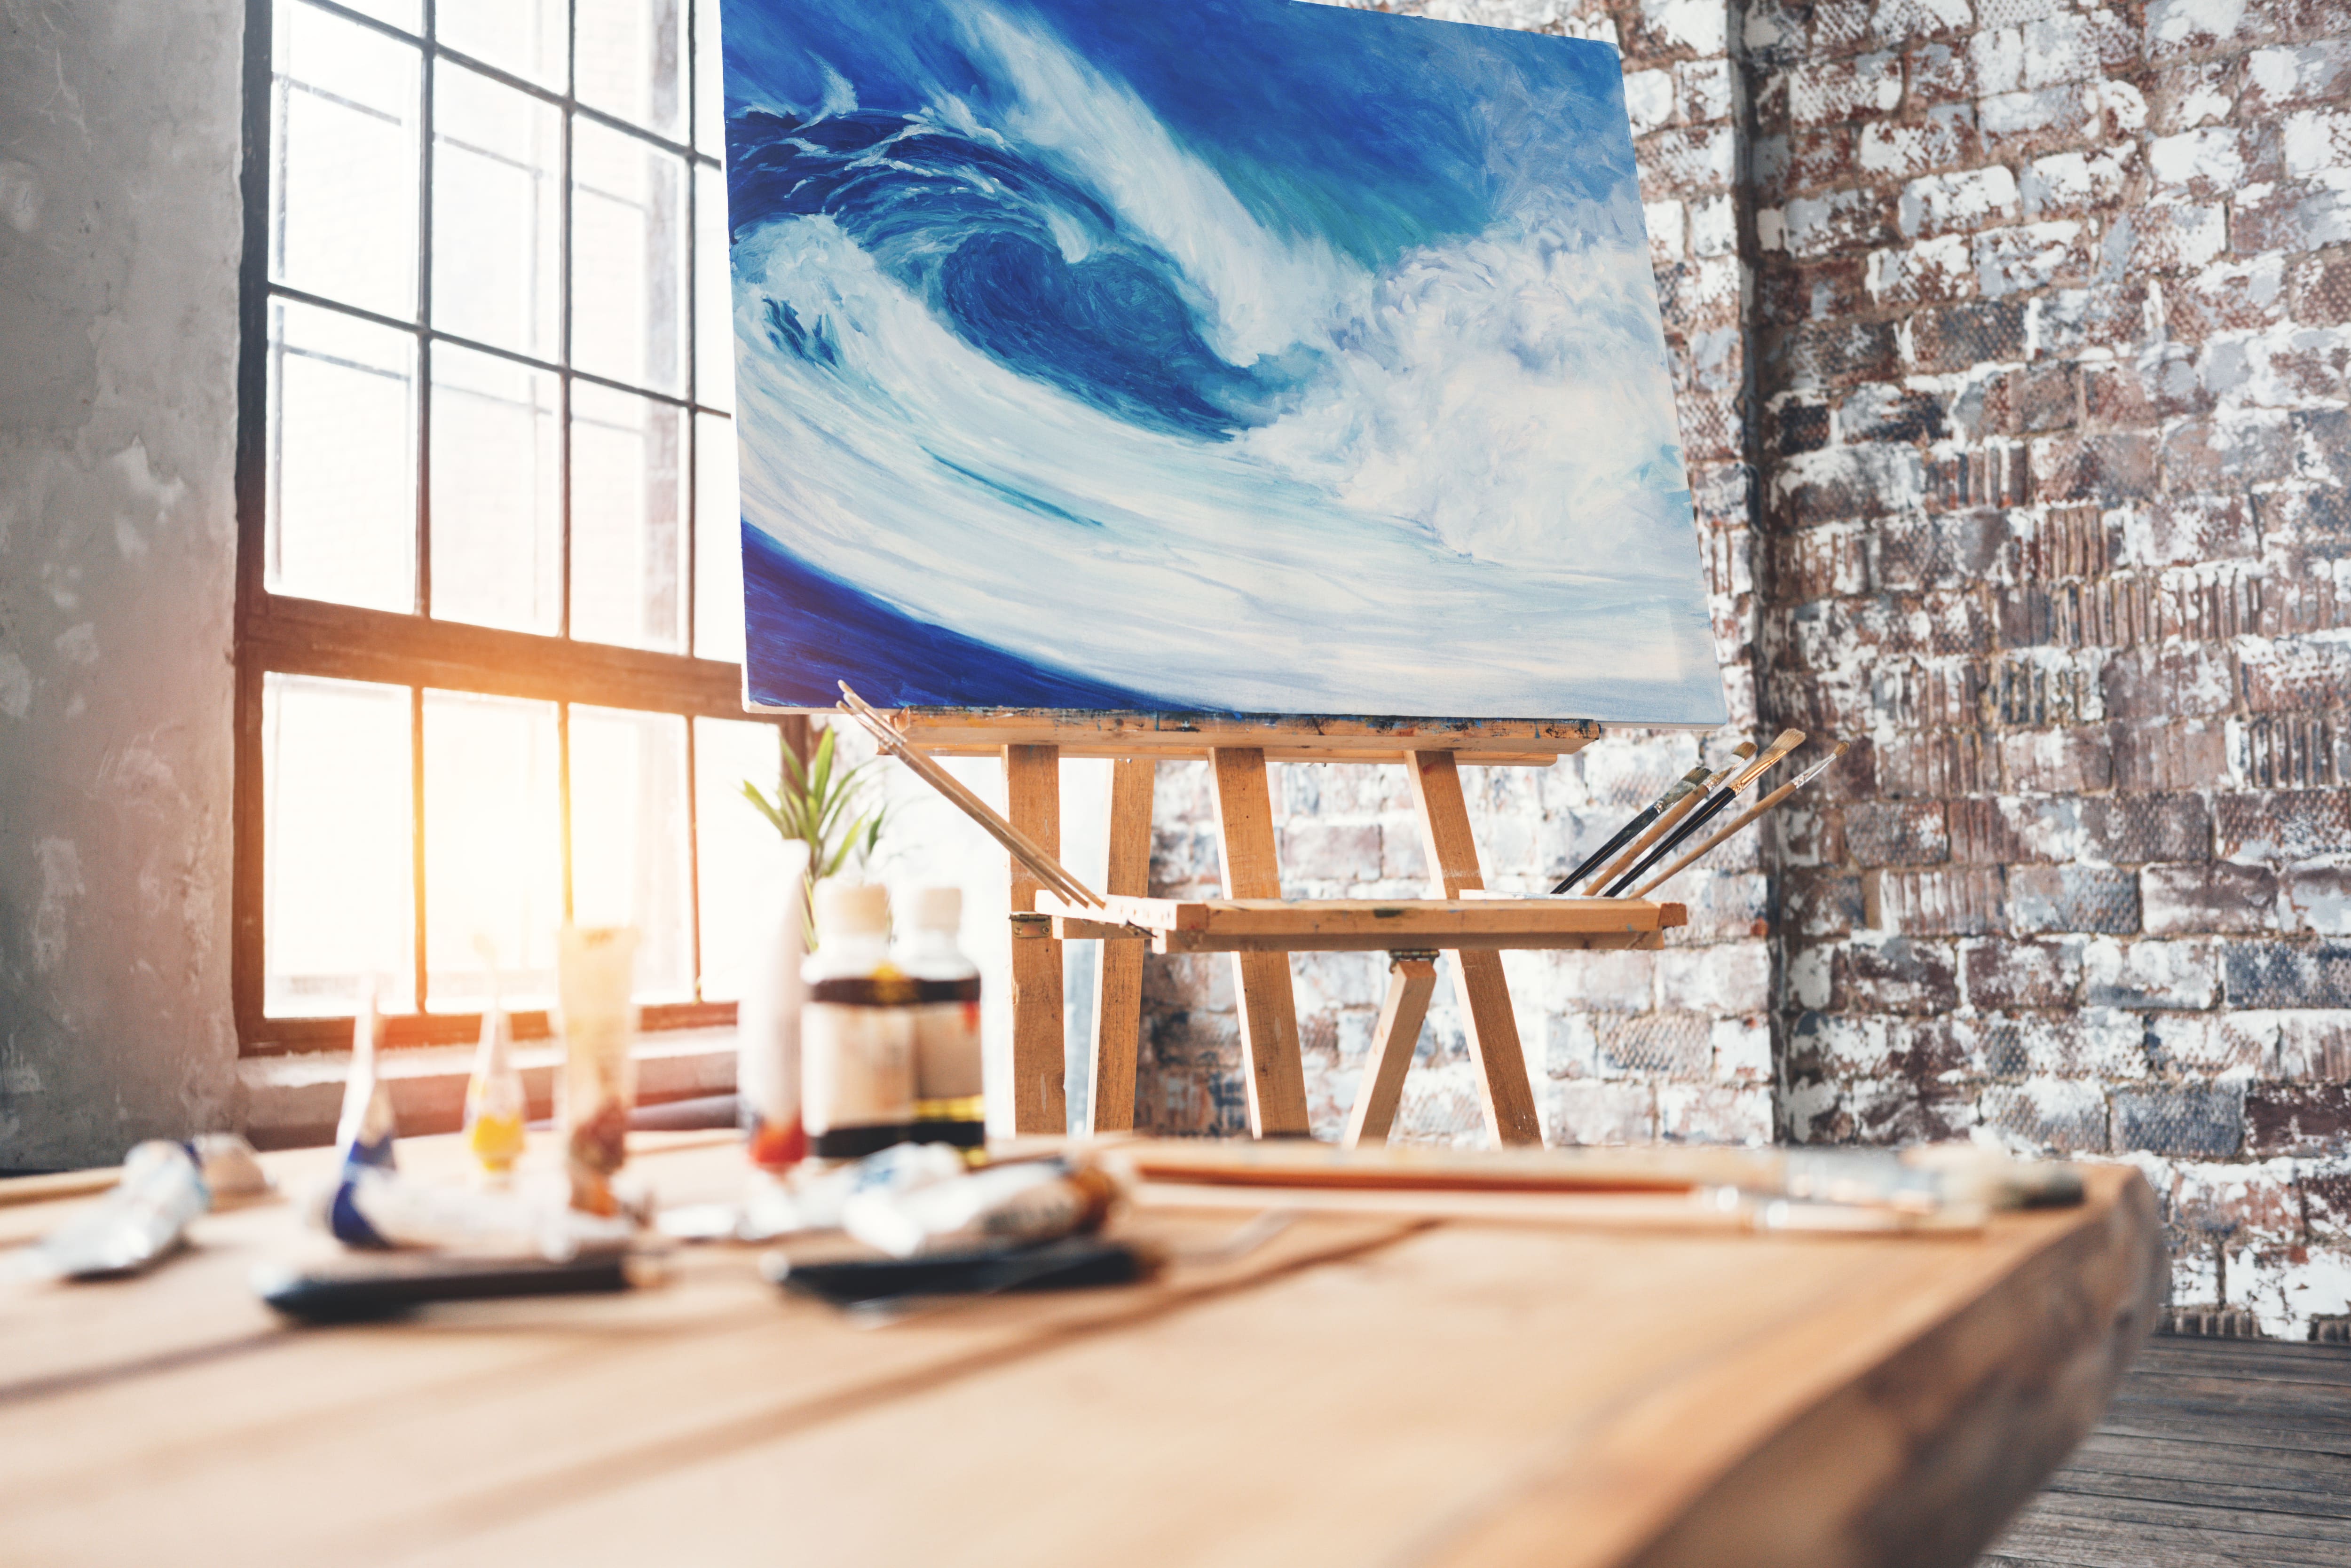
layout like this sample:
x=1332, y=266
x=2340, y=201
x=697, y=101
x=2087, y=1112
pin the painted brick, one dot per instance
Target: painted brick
x=1895, y=974
x=2297, y=1118
x=2072, y=898
x=2282, y=824
x=1958, y=202
x=2212, y=897
x=2148, y=974
x=1597, y=1111
x=2002, y=974
x=2312, y=1045
x=2294, y=76
x=2190, y=1119
x=2175, y=755
x=2067, y=761
x=2318, y=900
x=1895, y=832
x=1954, y=336
x=1714, y=1113
x=1954, y=901
x=2048, y=1115
x=2287, y=974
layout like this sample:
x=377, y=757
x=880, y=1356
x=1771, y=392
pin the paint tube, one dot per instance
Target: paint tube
x=811, y=1197
x=495, y=1109
x=143, y=1220
x=948, y=1106
x=595, y=974
x=768, y=1032
x=1001, y=1207
x=364, y=1136
x=378, y=1209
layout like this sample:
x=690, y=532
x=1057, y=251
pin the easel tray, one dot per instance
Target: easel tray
x=1351, y=925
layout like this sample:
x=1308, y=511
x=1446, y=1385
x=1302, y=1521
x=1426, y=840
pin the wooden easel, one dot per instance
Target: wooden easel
x=1254, y=922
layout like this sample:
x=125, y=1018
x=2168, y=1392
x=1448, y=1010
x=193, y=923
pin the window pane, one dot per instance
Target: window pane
x=406, y=14
x=737, y=846
x=627, y=518
x=709, y=81
x=342, y=458
x=337, y=846
x=343, y=184
x=713, y=306
x=627, y=229
x=525, y=37
x=493, y=848
x=498, y=521
x=628, y=838
x=632, y=60
x=717, y=542
x=497, y=212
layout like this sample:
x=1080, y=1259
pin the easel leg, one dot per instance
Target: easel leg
x=1269, y=1056
x=1411, y=976
x=1118, y=976
x=1032, y=791
x=1508, y=1099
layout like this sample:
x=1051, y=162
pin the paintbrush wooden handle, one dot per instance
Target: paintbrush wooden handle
x=1744, y=818
x=1047, y=869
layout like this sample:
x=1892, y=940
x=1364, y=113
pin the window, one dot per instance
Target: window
x=488, y=619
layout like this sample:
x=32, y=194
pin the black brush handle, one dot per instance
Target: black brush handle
x=1600, y=857
x=1665, y=845
x=359, y=1290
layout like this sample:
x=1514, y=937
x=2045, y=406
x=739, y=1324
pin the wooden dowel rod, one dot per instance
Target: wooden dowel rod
x=1047, y=868
x=1749, y=815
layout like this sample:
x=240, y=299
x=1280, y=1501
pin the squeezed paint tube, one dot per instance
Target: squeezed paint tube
x=1000, y=1207
x=494, y=1107
x=377, y=1208
x=767, y=1060
x=365, y=1134
x=143, y=1220
x=595, y=970
x=808, y=1199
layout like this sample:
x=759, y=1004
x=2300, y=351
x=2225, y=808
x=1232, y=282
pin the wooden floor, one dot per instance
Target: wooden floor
x=2215, y=1451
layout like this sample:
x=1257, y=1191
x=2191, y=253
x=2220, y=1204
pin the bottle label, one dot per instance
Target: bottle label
x=946, y=1051
x=857, y=1066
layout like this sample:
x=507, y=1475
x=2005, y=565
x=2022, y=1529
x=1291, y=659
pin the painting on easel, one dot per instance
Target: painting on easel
x=1233, y=355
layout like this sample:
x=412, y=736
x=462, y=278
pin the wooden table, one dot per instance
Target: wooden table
x=1361, y=1387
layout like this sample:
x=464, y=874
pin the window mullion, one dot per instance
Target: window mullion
x=416, y=841
x=423, y=327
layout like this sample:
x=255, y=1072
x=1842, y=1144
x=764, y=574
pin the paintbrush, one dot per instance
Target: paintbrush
x=1027, y=851
x=1619, y=878
x=1752, y=812
x=1673, y=815
x=1687, y=783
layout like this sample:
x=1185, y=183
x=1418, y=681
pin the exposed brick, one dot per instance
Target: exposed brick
x=1818, y=905
x=1838, y=353
x=2148, y=972
x=2049, y=1116
x=2312, y=1044
x=2279, y=825
x=2132, y=829
x=2174, y=755
x=2287, y=974
x=2072, y=898
x=1932, y=763
x=1896, y=833
x=2288, y=673
x=2090, y=1042
x=2066, y=761
x=1843, y=89
x=1956, y=336
x=1714, y=1113
x=2002, y=974
x=1950, y=204
x=2297, y=1118
x=2318, y=900
x=2214, y=897
x=2208, y=1043
x=1895, y=974
x=2204, y=1120
x=2152, y=686
x=2107, y=469
x=1954, y=901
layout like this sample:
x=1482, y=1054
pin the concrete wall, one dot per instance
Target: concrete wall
x=119, y=238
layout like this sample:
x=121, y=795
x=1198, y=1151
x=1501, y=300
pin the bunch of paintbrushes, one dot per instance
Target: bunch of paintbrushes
x=1695, y=799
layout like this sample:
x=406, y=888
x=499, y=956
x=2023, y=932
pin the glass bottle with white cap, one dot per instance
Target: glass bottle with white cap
x=857, y=1029
x=948, y=1108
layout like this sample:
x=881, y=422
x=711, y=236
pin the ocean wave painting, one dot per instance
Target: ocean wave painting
x=1229, y=355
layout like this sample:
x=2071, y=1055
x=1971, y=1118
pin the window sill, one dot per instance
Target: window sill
x=293, y=1102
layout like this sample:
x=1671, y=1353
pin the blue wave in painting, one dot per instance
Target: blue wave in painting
x=1317, y=368
x=823, y=631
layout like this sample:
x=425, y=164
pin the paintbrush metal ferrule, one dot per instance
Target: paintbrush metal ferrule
x=1622, y=877
x=1749, y=815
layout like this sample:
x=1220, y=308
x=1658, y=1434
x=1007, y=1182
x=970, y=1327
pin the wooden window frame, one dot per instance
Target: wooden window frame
x=282, y=634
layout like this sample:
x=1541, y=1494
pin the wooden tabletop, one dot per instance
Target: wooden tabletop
x=1357, y=1387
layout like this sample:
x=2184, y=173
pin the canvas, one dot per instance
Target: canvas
x=1226, y=355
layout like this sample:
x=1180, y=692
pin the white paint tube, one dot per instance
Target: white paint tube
x=999, y=1207
x=595, y=973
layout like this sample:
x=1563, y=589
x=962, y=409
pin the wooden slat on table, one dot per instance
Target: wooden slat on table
x=1359, y=1388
